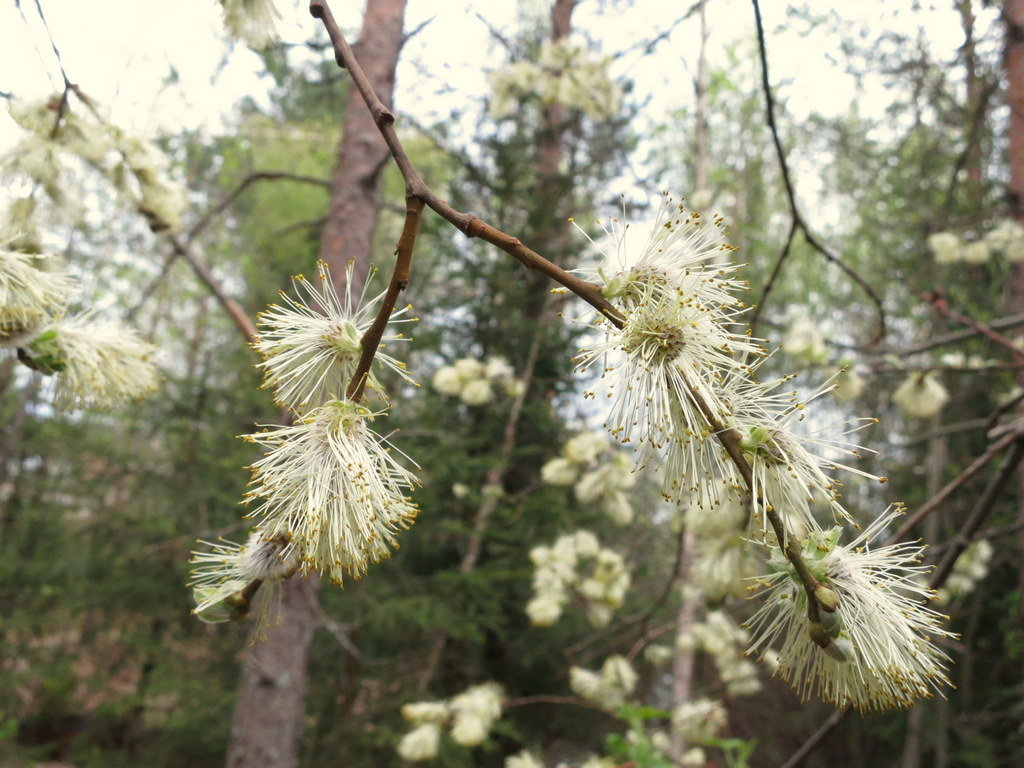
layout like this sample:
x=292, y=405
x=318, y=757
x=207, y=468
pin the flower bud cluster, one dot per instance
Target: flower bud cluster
x=1005, y=239
x=95, y=364
x=610, y=686
x=597, y=472
x=921, y=395
x=564, y=73
x=474, y=381
x=576, y=565
x=136, y=168
x=699, y=721
x=722, y=559
x=469, y=717
x=726, y=643
x=971, y=567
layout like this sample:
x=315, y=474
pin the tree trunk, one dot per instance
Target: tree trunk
x=1013, y=61
x=268, y=721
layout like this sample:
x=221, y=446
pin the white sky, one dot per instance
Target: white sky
x=120, y=51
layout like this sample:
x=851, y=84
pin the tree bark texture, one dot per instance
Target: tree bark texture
x=268, y=722
x=362, y=154
x=1013, y=62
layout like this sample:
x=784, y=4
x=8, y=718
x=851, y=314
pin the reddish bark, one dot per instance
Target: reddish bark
x=268, y=722
x=1013, y=61
x=362, y=154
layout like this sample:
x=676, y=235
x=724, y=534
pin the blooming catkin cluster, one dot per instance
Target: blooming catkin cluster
x=474, y=381
x=921, y=395
x=1006, y=239
x=225, y=569
x=699, y=721
x=95, y=364
x=329, y=491
x=136, y=168
x=719, y=637
x=598, y=474
x=970, y=568
x=878, y=653
x=722, y=558
x=679, y=373
x=610, y=686
x=576, y=565
x=254, y=22
x=311, y=343
x=469, y=717
x=564, y=73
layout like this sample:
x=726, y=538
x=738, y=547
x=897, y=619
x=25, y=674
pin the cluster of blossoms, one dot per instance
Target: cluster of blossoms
x=469, y=717
x=610, y=686
x=597, y=472
x=970, y=568
x=722, y=558
x=474, y=381
x=699, y=721
x=96, y=364
x=564, y=73
x=576, y=565
x=254, y=22
x=726, y=643
x=1005, y=239
x=329, y=493
x=921, y=395
x=137, y=169
x=877, y=653
x=805, y=341
x=679, y=373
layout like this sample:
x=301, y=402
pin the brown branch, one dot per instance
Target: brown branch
x=953, y=338
x=981, y=510
x=940, y=498
x=245, y=325
x=399, y=280
x=467, y=223
x=937, y=299
x=247, y=182
x=472, y=226
x=817, y=737
x=798, y=221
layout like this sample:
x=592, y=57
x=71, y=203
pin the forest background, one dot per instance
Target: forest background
x=895, y=126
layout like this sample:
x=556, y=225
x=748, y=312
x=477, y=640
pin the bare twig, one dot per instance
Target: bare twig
x=472, y=226
x=940, y=498
x=245, y=325
x=937, y=298
x=981, y=510
x=247, y=182
x=399, y=280
x=798, y=221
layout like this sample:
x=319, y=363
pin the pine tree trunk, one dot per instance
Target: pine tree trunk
x=1013, y=61
x=268, y=721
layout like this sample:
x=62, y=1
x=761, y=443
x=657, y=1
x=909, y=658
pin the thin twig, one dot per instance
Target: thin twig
x=399, y=280
x=981, y=510
x=473, y=226
x=940, y=498
x=247, y=182
x=937, y=299
x=798, y=221
x=245, y=325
